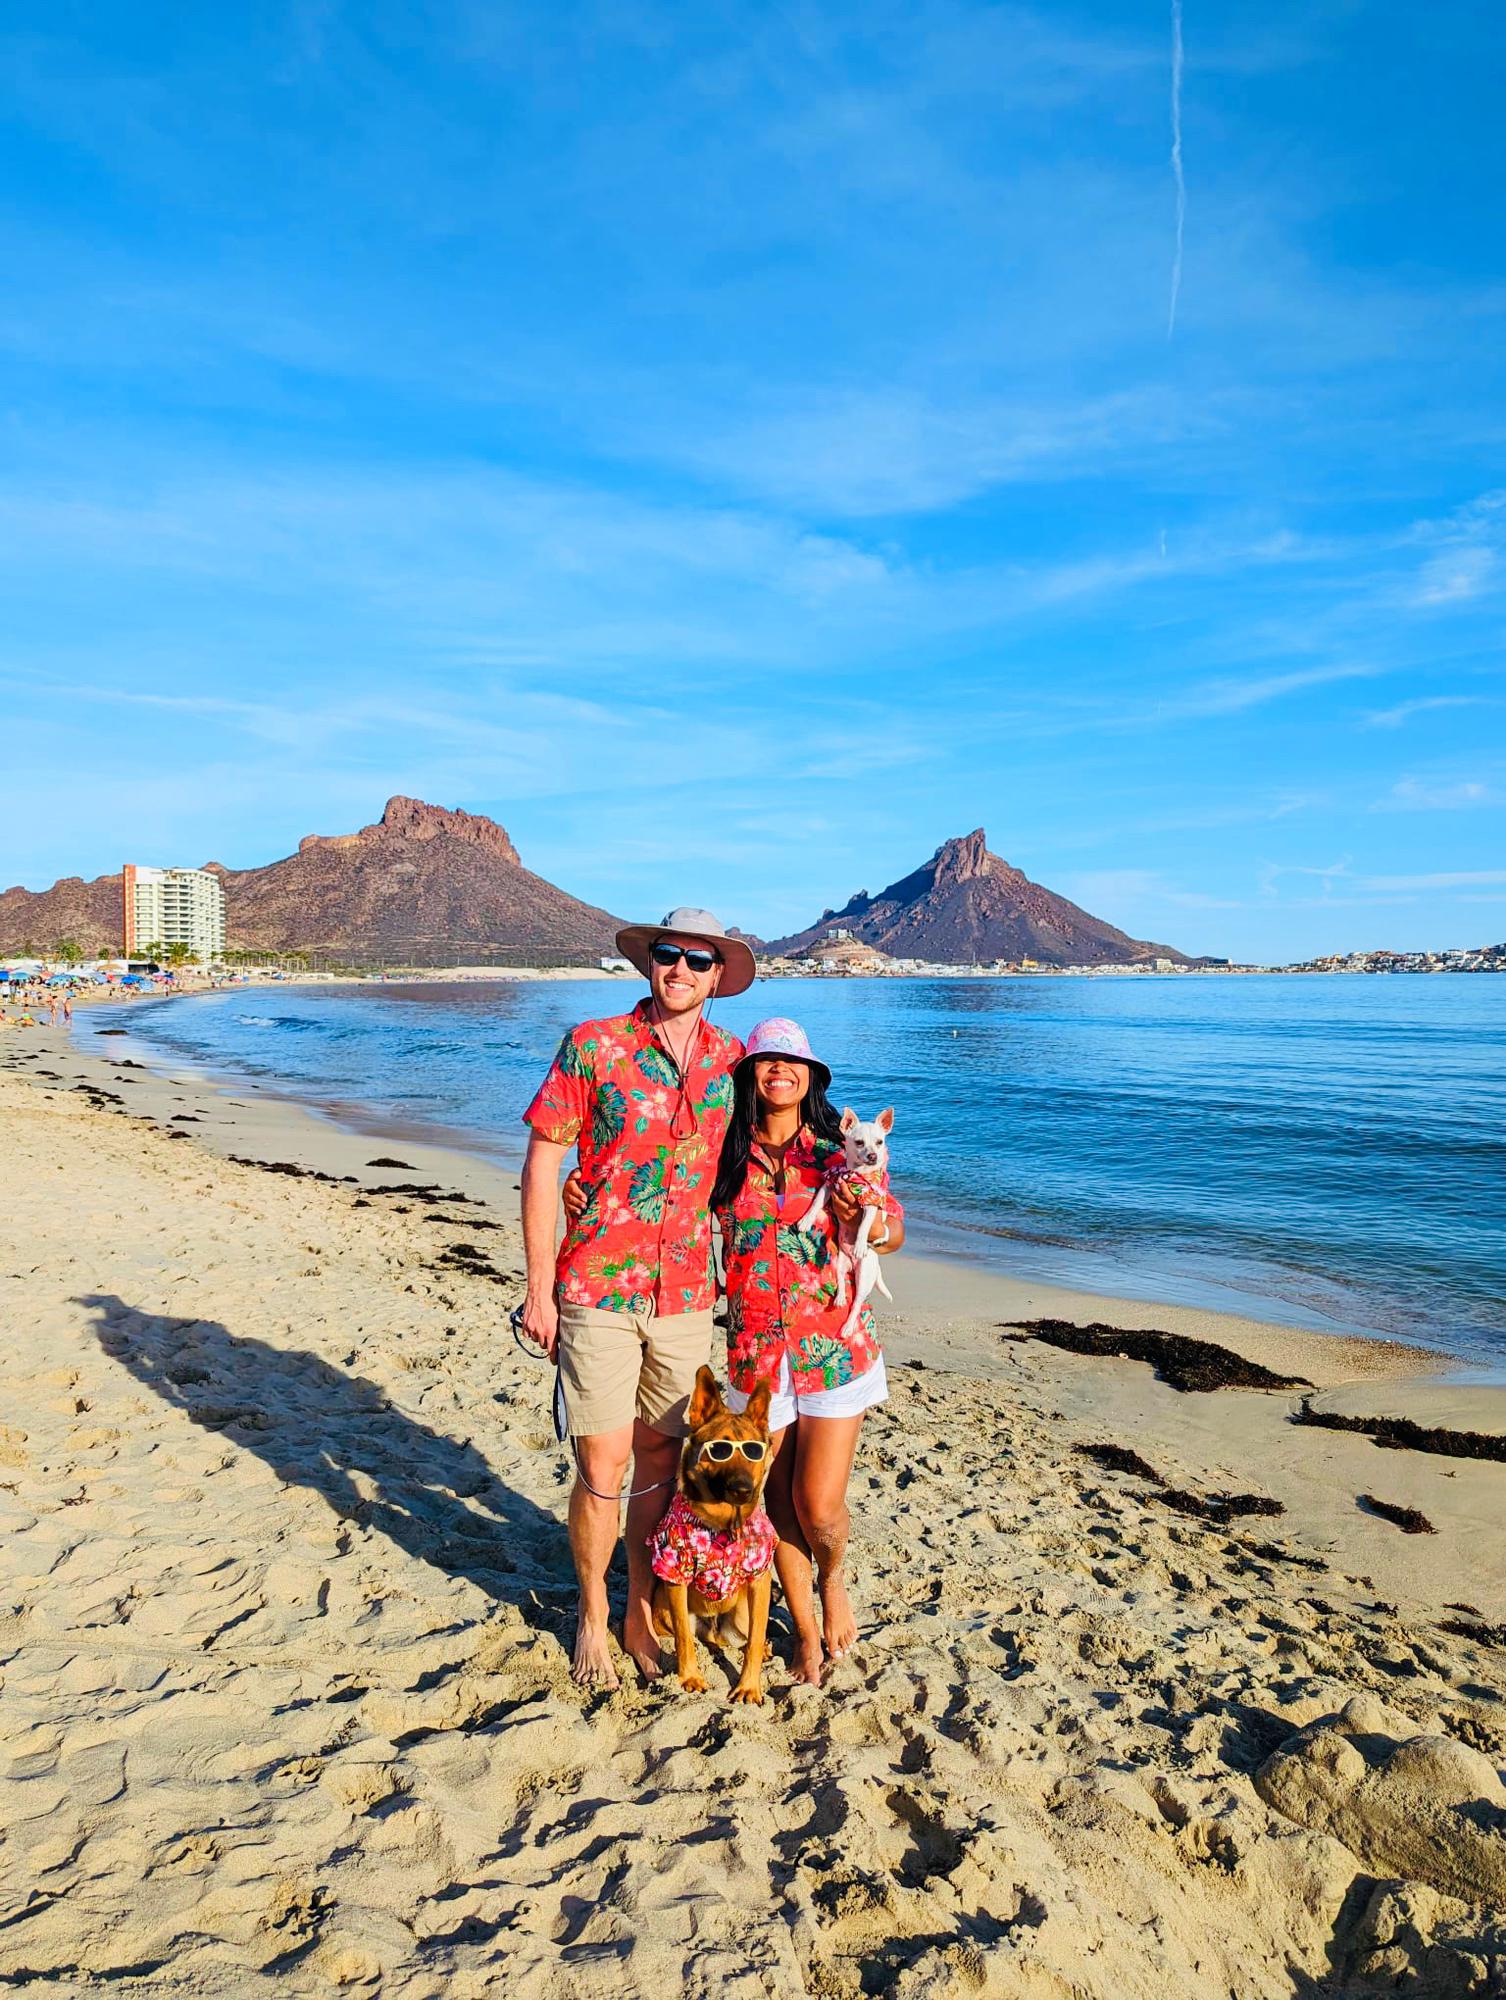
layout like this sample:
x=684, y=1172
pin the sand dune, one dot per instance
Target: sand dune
x=283, y=1597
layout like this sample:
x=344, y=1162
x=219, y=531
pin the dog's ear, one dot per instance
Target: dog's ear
x=885, y=1119
x=849, y=1119
x=757, y=1406
x=705, y=1399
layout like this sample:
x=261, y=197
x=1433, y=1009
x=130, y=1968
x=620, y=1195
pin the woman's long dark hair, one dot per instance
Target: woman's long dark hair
x=815, y=1111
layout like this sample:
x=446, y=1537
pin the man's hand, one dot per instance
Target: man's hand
x=573, y=1194
x=541, y=1320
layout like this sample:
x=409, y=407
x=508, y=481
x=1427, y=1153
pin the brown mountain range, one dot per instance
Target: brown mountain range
x=422, y=886
x=967, y=907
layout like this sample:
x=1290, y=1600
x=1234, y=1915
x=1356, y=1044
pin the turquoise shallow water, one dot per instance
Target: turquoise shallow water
x=1330, y=1151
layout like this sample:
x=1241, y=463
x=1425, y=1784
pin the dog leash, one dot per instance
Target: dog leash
x=562, y=1418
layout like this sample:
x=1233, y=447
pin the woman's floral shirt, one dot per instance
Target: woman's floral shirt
x=642, y=1243
x=781, y=1280
x=714, y=1562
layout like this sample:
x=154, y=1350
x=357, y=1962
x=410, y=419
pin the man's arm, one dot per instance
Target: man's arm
x=541, y=1195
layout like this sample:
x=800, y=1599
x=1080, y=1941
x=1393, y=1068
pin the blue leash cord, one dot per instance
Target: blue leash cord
x=561, y=1417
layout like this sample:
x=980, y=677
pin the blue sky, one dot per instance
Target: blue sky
x=741, y=447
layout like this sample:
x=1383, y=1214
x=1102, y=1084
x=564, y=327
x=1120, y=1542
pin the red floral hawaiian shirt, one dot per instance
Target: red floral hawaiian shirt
x=642, y=1243
x=781, y=1280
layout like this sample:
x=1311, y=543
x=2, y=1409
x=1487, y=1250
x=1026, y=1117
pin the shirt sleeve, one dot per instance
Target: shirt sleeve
x=562, y=1103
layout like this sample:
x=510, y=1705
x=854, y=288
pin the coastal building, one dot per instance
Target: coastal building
x=168, y=906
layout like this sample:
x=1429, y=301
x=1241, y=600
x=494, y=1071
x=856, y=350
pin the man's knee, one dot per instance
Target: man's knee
x=602, y=1461
x=654, y=1448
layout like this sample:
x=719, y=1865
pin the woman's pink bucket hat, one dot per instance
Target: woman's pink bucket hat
x=781, y=1037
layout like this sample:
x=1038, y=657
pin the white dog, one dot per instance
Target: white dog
x=864, y=1170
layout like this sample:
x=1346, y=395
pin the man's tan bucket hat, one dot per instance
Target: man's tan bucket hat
x=738, y=963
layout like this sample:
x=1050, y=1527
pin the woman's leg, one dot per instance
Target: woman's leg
x=824, y=1450
x=792, y=1559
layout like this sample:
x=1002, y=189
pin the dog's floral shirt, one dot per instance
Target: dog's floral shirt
x=714, y=1562
x=782, y=1279
x=642, y=1243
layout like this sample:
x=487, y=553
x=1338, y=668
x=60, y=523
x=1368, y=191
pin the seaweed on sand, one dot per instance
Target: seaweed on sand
x=1191, y=1366
x=1411, y=1520
x=1483, y=1635
x=1118, y=1458
x=1402, y=1434
x=1220, y=1508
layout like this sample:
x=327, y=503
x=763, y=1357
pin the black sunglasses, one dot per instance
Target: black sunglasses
x=721, y=1449
x=696, y=956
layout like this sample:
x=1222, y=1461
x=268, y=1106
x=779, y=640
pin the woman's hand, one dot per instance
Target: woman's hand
x=845, y=1205
x=573, y=1194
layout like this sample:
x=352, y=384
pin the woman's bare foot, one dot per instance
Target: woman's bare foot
x=808, y=1662
x=837, y=1621
x=592, y=1665
x=641, y=1644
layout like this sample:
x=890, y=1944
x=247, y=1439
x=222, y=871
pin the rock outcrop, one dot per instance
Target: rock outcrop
x=966, y=906
x=422, y=885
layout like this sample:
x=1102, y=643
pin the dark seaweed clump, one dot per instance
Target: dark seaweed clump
x=1220, y=1508
x=1483, y=1635
x=384, y=1162
x=1401, y=1434
x=1192, y=1366
x=1118, y=1458
x=293, y=1172
x=1411, y=1520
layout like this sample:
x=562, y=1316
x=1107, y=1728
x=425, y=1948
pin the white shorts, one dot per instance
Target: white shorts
x=861, y=1393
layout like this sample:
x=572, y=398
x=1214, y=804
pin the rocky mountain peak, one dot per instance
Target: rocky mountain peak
x=967, y=906
x=413, y=819
x=963, y=859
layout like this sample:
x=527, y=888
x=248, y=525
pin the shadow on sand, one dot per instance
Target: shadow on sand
x=318, y=1427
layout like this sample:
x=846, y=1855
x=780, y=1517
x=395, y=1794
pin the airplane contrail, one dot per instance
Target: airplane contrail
x=1176, y=162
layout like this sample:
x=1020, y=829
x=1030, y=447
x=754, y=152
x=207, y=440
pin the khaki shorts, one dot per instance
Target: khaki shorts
x=615, y=1366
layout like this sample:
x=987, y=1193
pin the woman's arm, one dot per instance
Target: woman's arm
x=887, y=1245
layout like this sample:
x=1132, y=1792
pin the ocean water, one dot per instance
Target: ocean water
x=1324, y=1151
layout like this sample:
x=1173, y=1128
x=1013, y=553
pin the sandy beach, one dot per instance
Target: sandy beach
x=285, y=1591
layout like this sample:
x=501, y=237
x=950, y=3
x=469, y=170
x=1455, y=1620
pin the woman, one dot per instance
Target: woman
x=785, y=1327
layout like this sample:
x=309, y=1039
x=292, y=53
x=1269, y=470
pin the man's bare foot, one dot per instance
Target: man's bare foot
x=592, y=1665
x=641, y=1644
x=808, y=1662
x=837, y=1621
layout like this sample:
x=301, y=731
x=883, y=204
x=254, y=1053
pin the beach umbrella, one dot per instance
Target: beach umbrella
x=132, y=979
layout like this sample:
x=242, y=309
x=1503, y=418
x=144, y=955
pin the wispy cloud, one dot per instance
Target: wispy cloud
x=1393, y=718
x=1464, y=878
x=1232, y=697
x=1456, y=576
x=1422, y=795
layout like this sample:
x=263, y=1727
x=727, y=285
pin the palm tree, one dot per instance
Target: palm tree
x=69, y=951
x=178, y=953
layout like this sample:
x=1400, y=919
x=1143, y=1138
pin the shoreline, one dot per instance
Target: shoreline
x=1079, y=1272
x=285, y=1608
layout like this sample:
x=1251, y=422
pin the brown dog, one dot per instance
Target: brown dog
x=714, y=1549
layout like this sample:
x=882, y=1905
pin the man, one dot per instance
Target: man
x=627, y=1302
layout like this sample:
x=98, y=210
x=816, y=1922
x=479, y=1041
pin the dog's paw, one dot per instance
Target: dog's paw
x=753, y=1693
x=692, y=1684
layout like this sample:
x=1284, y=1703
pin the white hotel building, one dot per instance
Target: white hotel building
x=174, y=906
